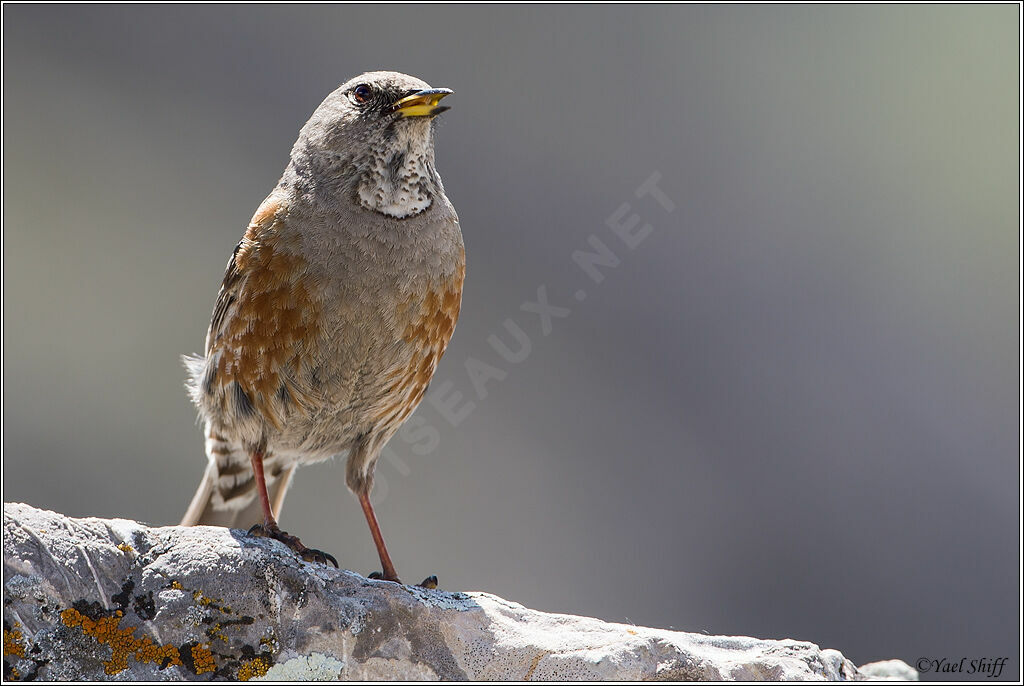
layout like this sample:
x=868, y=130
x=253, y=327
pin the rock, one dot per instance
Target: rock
x=114, y=599
x=889, y=670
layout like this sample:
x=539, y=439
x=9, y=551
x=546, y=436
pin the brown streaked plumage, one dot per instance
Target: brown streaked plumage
x=274, y=318
x=430, y=327
x=334, y=310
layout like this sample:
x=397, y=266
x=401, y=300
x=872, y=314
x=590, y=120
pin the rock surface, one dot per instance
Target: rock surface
x=114, y=599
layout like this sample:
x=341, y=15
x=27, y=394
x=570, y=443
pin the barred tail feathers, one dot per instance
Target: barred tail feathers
x=227, y=493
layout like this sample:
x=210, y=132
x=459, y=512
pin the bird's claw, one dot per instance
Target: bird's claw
x=430, y=582
x=293, y=542
x=316, y=555
x=257, y=530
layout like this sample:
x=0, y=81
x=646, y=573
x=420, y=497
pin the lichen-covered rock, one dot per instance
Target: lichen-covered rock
x=889, y=670
x=114, y=599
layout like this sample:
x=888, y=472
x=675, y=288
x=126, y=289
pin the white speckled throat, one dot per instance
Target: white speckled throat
x=399, y=179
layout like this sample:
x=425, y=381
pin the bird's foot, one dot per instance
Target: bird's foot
x=430, y=582
x=293, y=542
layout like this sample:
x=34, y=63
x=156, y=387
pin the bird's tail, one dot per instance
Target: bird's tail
x=227, y=494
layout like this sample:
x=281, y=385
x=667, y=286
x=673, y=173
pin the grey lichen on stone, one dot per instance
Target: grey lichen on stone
x=315, y=667
x=114, y=599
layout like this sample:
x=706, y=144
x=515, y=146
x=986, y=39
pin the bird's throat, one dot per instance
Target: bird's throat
x=399, y=180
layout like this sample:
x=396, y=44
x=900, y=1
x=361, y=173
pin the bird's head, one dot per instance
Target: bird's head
x=373, y=130
x=372, y=107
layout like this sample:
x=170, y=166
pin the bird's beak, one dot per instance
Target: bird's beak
x=422, y=103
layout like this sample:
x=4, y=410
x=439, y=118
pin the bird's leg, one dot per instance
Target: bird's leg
x=256, y=460
x=378, y=539
x=270, y=529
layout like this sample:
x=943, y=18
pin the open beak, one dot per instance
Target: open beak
x=422, y=103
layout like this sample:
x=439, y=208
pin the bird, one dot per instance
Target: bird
x=334, y=310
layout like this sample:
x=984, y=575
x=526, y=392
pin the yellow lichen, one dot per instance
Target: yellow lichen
x=200, y=598
x=202, y=658
x=217, y=632
x=253, y=668
x=15, y=674
x=125, y=548
x=121, y=641
x=12, y=642
x=124, y=645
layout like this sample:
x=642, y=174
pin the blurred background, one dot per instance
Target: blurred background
x=790, y=411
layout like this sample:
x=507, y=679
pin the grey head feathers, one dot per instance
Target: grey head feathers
x=362, y=146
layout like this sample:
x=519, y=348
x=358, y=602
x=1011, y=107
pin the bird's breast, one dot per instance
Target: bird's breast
x=388, y=322
x=429, y=321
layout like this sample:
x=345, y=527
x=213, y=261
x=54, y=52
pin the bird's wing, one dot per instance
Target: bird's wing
x=264, y=316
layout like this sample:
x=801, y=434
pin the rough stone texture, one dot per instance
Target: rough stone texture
x=114, y=599
x=890, y=670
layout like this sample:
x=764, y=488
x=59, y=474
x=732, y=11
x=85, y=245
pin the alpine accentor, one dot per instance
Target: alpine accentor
x=335, y=308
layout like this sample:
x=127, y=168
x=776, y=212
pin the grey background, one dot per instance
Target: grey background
x=790, y=412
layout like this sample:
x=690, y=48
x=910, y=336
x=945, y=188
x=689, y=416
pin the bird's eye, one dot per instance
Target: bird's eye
x=362, y=93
